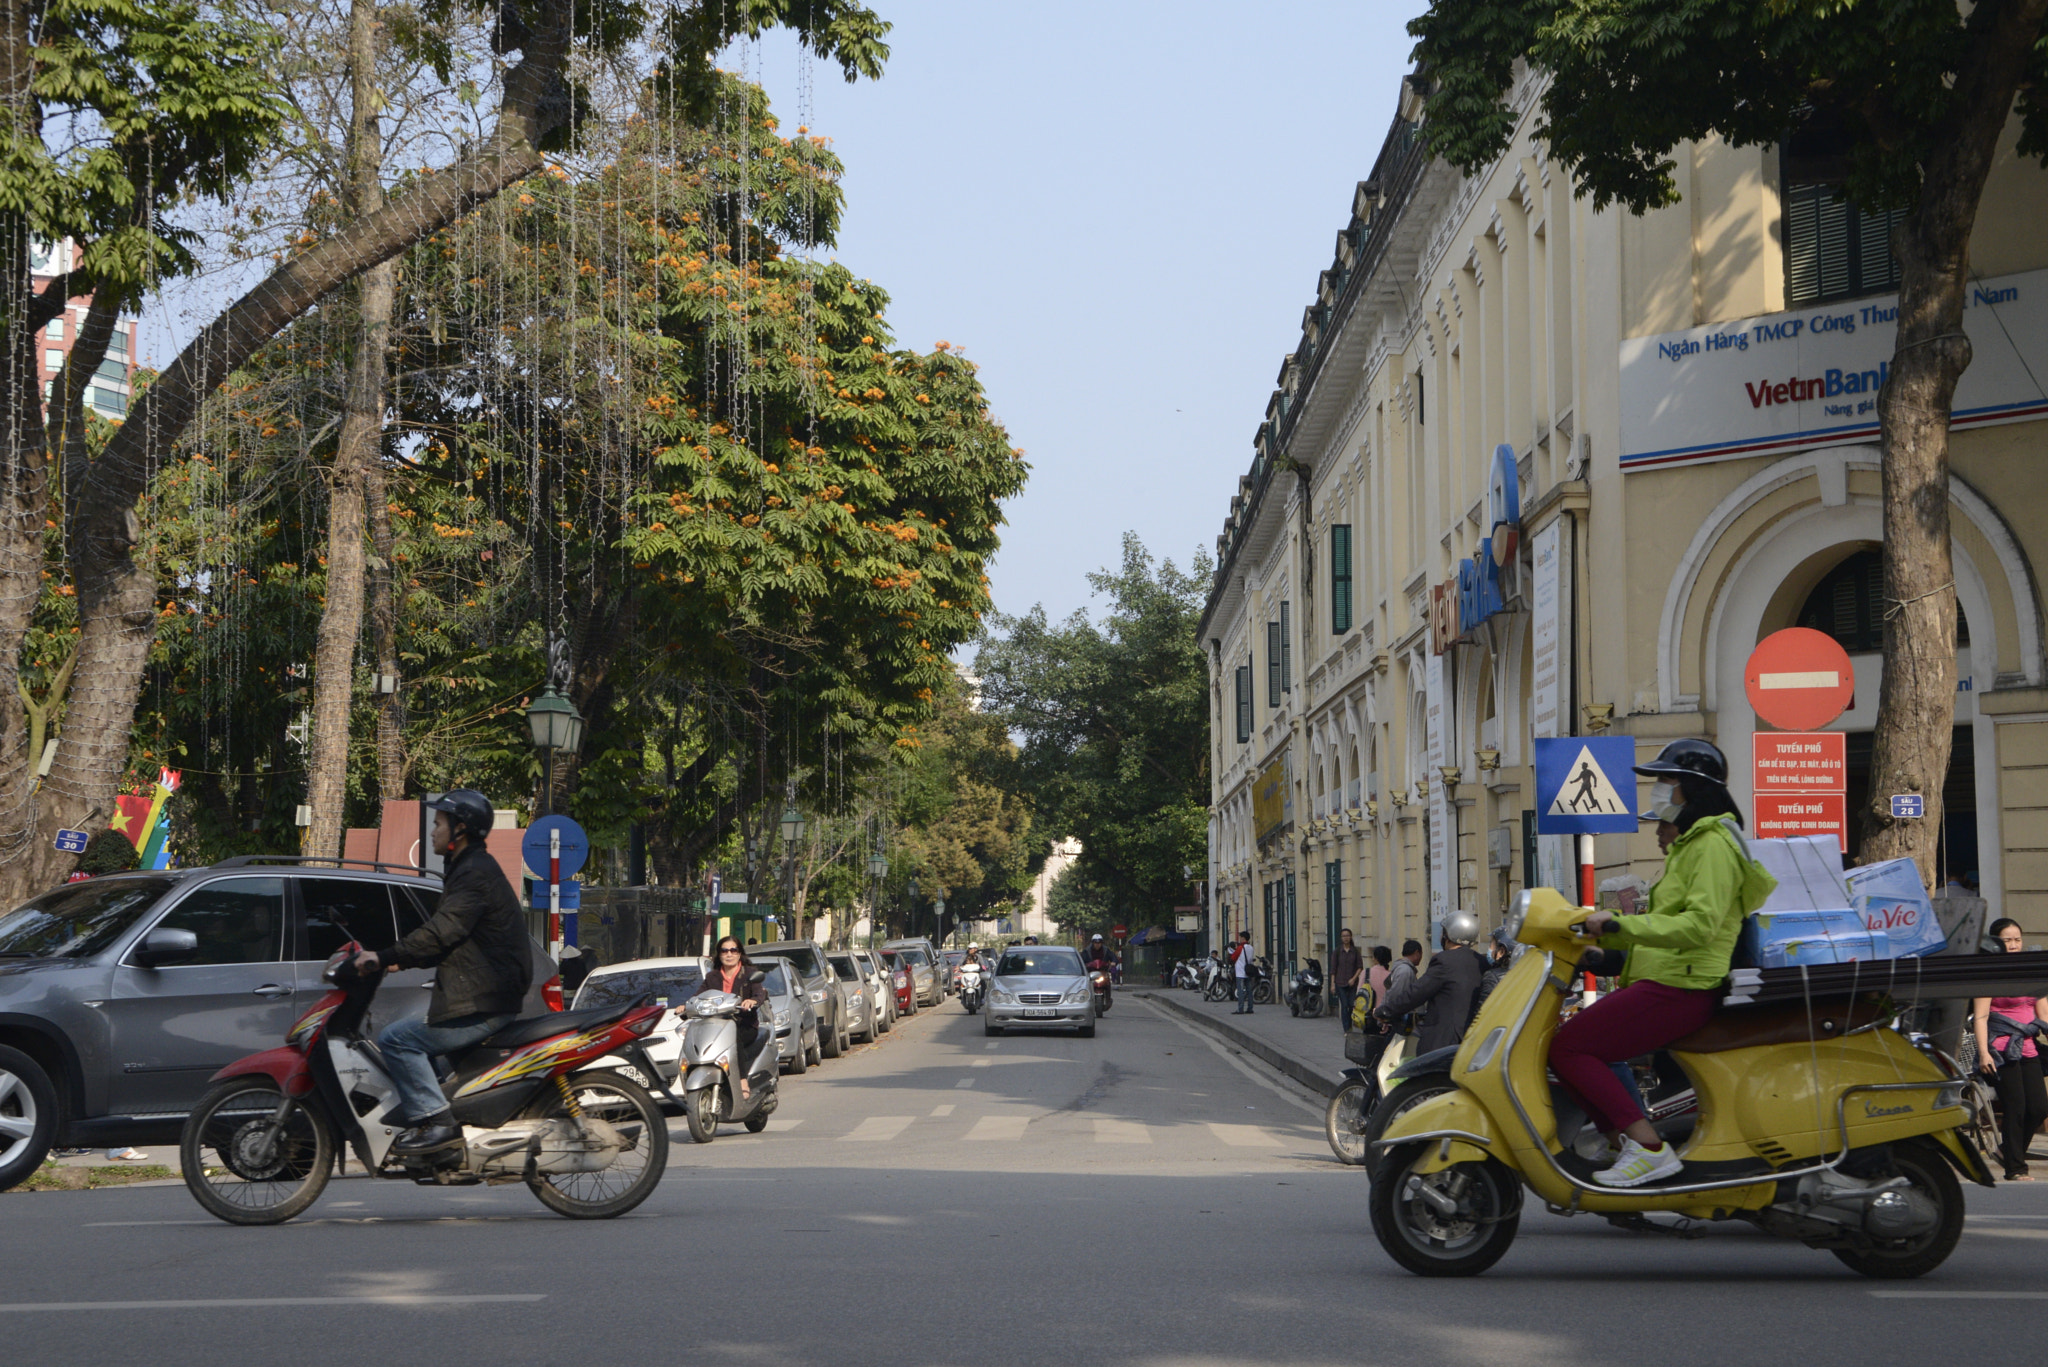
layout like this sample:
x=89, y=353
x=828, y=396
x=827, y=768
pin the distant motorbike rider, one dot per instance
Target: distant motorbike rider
x=478, y=943
x=735, y=973
x=1446, y=987
x=1499, y=960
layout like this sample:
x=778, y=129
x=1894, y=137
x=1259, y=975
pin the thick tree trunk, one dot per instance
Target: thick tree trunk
x=358, y=449
x=114, y=593
x=1916, y=702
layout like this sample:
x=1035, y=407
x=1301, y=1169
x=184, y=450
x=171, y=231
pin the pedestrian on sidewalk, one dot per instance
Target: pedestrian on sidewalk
x=1347, y=972
x=1245, y=971
x=1376, y=972
x=2007, y=1029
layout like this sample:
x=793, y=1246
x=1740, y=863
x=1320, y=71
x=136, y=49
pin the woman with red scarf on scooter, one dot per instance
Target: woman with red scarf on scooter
x=1678, y=953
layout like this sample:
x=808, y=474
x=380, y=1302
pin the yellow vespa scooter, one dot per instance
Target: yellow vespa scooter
x=1818, y=1121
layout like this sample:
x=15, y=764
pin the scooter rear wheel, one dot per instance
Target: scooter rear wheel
x=1410, y=1217
x=244, y=1164
x=634, y=1173
x=1928, y=1171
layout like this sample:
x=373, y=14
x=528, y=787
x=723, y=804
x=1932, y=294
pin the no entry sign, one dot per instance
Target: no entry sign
x=1799, y=679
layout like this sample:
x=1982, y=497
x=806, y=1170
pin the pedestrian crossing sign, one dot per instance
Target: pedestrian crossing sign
x=1585, y=785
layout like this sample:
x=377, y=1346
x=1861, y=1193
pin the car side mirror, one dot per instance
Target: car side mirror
x=163, y=946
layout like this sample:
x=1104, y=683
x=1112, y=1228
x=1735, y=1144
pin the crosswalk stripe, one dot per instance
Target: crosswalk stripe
x=777, y=1124
x=1121, y=1132
x=877, y=1128
x=981, y=1063
x=1245, y=1136
x=965, y=1082
x=1005, y=1127
x=946, y=1109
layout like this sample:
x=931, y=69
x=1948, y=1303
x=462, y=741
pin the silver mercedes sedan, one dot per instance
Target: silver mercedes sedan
x=1038, y=985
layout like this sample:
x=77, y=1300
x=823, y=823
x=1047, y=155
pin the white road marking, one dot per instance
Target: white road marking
x=965, y=1082
x=878, y=1128
x=1960, y=1295
x=777, y=1124
x=991, y=1046
x=946, y=1109
x=1004, y=1127
x=1245, y=1136
x=981, y=1063
x=1121, y=1132
x=29, y=1308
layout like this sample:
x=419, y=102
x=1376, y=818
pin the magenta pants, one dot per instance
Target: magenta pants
x=1639, y=1018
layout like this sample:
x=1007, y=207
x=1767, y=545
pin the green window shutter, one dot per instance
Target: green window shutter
x=1286, y=650
x=1273, y=647
x=1244, y=703
x=1340, y=580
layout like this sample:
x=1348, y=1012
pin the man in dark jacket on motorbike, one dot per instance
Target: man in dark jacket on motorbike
x=1447, y=987
x=477, y=940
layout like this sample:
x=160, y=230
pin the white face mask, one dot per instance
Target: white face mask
x=1665, y=803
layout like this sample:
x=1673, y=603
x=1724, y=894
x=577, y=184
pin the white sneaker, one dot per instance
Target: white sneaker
x=1638, y=1165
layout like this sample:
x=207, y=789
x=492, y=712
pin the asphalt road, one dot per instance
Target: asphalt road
x=1146, y=1197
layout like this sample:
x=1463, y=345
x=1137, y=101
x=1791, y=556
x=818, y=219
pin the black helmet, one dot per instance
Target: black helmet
x=468, y=808
x=1689, y=758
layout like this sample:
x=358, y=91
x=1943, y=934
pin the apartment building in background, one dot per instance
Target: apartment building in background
x=113, y=384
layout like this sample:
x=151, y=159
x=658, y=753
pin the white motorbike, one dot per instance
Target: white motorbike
x=713, y=1062
x=973, y=987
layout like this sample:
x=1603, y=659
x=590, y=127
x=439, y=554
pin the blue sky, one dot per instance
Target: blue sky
x=1119, y=211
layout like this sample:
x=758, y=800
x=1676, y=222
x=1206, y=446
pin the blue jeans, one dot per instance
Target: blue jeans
x=1244, y=996
x=409, y=1048
x=1346, y=996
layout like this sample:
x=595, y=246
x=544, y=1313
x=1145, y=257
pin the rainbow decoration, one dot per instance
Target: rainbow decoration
x=140, y=817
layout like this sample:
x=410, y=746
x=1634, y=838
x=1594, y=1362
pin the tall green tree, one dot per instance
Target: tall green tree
x=1920, y=93
x=1113, y=718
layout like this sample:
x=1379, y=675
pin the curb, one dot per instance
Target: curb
x=1321, y=1083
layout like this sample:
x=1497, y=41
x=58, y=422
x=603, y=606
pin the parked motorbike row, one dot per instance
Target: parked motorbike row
x=1213, y=979
x=1823, y=1121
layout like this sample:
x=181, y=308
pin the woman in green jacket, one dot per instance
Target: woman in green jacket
x=1677, y=953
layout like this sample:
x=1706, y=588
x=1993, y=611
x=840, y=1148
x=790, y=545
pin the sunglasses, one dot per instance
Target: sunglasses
x=728, y=949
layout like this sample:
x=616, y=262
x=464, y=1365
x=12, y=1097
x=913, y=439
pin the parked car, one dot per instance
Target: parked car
x=924, y=967
x=670, y=982
x=1040, y=985
x=902, y=979
x=122, y=995
x=828, y=995
x=797, y=1044
x=864, y=1007
x=881, y=981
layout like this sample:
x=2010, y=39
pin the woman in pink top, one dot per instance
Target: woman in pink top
x=2006, y=1028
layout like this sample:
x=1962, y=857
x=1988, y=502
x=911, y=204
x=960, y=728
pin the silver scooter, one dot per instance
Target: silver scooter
x=711, y=1064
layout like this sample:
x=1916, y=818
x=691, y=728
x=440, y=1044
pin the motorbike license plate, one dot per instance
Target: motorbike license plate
x=1038, y=1012
x=634, y=1073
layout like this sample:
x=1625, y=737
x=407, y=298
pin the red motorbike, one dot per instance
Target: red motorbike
x=261, y=1144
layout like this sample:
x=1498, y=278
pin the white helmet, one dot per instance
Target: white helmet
x=1460, y=928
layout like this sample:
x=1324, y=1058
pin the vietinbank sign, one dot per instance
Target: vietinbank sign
x=1767, y=386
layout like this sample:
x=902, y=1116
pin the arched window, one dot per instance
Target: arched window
x=1848, y=604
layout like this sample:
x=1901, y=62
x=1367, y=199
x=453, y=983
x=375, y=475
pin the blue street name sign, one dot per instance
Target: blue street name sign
x=1585, y=785
x=533, y=848
x=71, y=842
x=1906, y=806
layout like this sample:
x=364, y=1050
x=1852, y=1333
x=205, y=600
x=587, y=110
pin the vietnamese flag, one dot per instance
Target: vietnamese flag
x=132, y=818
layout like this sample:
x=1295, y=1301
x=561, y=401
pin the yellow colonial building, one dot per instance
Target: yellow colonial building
x=1536, y=470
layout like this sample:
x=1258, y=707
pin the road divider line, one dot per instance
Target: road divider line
x=779, y=1125
x=269, y=1302
x=946, y=1109
x=981, y=1063
x=965, y=1082
x=877, y=1129
x=1245, y=1136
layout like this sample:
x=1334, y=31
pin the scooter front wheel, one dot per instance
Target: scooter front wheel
x=1456, y=1222
x=253, y=1156
x=634, y=1171
x=1344, y=1122
x=701, y=1110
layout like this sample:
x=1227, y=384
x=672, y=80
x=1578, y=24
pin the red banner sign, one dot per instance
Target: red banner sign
x=1801, y=762
x=1779, y=815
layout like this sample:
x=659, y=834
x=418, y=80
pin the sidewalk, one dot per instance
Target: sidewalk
x=1309, y=1051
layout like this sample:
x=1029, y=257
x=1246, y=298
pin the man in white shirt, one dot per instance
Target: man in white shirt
x=1245, y=972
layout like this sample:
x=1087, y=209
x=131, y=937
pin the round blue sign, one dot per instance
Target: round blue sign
x=533, y=848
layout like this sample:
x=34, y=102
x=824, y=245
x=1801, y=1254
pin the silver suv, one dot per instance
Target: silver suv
x=828, y=995
x=121, y=996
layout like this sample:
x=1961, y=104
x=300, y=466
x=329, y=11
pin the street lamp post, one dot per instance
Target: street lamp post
x=878, y=868
x=792, y=831
x=555, y=724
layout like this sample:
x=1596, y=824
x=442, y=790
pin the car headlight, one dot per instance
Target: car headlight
x=1077, y=993
x=1001, y=997
x=818, y=996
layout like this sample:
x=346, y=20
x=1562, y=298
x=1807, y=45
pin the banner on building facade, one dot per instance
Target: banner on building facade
x=1546, y=628
x=1809, y=377
x=1272, y=797
x=1443, y=872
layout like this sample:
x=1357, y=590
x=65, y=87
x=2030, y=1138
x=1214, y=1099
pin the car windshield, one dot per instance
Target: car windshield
x=805, y=959
x=78, y=920
x=774, y=981
x=1040, y=963
x=845, y=967
x=631, y=984
x=916, y=956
